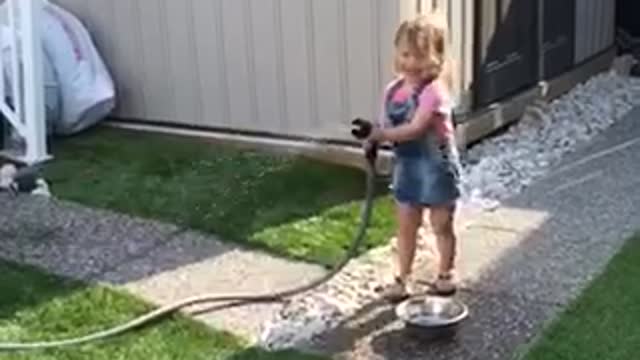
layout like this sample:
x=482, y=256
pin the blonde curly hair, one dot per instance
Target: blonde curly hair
x=426, y=37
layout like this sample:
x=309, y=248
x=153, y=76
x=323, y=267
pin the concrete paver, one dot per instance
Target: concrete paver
x=158, y=262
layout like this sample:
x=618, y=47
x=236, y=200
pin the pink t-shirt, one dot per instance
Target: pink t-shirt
x=433, y=101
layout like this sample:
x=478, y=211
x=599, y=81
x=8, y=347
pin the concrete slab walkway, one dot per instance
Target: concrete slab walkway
x=158, y=262
x=525, y=262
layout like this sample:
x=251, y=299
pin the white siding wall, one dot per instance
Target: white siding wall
x=293, y=67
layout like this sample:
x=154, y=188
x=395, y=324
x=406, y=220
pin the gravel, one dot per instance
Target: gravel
x=505, y=165
x=494, y=170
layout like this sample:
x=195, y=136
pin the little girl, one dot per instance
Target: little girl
x=417, y=121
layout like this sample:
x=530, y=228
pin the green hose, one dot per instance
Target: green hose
x=235, y=300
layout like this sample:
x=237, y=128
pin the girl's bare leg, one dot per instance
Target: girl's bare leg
x=409, y=219
x=442, y=225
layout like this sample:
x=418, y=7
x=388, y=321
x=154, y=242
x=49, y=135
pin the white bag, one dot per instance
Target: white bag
x=86, y=87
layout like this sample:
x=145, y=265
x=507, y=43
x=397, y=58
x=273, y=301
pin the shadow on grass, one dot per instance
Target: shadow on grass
x=24, y=287
x=39, y=307
x=242, y=196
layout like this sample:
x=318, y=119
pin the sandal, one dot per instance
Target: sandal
x=444, y=285
x=394, y=292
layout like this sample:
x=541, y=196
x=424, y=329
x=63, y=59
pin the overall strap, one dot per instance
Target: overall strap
x=416, y=93
x=398, y=84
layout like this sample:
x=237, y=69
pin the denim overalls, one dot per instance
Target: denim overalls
x=426, y=171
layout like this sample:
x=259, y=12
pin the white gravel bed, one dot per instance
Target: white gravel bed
x=503, y=166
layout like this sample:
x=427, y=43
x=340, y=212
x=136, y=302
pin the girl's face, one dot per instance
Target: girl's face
x=411, y=63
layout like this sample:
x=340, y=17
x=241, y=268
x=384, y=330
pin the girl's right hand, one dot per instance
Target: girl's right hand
x=376, y=135
x=370, y=149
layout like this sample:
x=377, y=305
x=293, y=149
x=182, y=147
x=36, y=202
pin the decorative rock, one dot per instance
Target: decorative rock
x=24, y=180
x=7, y=174
x=42, y=189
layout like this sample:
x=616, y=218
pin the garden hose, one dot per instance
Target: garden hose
x=234, y=300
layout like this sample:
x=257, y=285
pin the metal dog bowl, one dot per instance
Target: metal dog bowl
x=432, y=317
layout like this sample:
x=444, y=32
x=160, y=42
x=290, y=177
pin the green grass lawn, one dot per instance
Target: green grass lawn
x=289, y=205
x=604, y=323
x=36, y=306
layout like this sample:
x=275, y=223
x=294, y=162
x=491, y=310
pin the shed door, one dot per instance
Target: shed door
x=559, y=36
x=506, y=49
x=627, y=16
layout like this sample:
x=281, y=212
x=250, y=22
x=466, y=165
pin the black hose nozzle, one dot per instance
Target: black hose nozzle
x=361, y=128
